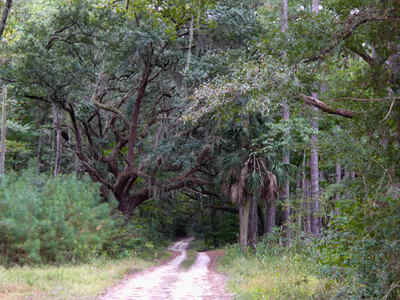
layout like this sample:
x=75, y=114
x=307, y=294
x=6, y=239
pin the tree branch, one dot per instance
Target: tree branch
x=368, y=59
x=325, y=108
x=132, y=139
x=353, y=22
x=99, y=90
x=93, y=173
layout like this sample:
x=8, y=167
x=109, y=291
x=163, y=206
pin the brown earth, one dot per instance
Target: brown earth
x=169, y=282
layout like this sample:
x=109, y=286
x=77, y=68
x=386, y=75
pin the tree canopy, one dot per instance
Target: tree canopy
x=274, y=115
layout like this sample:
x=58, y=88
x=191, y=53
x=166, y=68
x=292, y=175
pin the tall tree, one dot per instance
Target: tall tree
x=315, y=194
x=3, y=131
x=286, y=153
x=4, y=17
x=122, y=89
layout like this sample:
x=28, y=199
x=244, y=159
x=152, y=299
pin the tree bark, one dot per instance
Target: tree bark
x=39, y=151
x=325, y=108
x=307, y=206
x=264, y=216
x=286, y=153
x=315, y=226
x=253, y=221
x=271, y=216
x=286, y=186
x=315, y=6
x=284, y=16
x=58, y=144
x=316, y=205
x=244, y=214
x=338, y=180
x=3, y=132
x=4, y=17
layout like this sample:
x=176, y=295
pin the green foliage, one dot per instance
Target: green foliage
x=362, y=247
x=135, y=237
x=51, y=220
x=273, y=271
x=58, y=220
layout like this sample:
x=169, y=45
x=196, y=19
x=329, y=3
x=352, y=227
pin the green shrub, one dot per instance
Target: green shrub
x=133, y=238
x=362, y=248
x=51, y=220
x=57, y=220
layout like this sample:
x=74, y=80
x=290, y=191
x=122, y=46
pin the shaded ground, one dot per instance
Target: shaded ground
x=169, y=282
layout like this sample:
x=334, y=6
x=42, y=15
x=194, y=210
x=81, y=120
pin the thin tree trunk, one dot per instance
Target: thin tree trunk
x=286, y=153
x=4, y=17
x=56, y=123
x=316, y=206
x=39, y=151
x=338, y=180
x=3, y=132
x=315, y=6
x=189, y=57
x=307, y=207
x=286, y=186
x=77, y=164
x=298, y=212
x=284, y=16
x=316, y=220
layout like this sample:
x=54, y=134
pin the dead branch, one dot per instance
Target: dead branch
x=325, y=108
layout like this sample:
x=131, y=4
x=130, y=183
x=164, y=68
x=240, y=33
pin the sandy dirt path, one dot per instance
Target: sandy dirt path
x=168, y=282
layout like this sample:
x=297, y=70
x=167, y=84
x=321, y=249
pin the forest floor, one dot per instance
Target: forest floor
x=169, y=281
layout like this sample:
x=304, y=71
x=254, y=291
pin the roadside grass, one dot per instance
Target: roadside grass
x=274, y=277
x=67, y=282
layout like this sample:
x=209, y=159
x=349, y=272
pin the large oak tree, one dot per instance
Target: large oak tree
x=122, y=74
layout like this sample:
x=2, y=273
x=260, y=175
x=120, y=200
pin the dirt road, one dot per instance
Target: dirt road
x=168, y=282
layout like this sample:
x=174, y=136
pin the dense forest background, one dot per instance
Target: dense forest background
x=276, y=122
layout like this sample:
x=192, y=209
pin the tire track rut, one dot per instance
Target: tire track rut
x=168, y=282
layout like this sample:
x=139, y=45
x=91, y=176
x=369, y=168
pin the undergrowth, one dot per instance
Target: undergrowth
x=275, y=272
x=46, y=220
x=66, y=282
